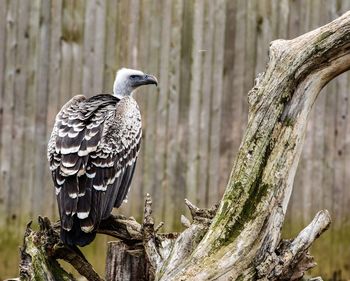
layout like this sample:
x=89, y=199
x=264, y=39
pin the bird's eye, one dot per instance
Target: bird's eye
x=134, y=76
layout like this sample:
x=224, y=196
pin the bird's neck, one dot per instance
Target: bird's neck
x=121, y=90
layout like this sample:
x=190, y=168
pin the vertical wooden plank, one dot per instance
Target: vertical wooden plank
x=184, y=101
x=173, y=198
x=41, y=110
x=28, y=198
x=54, y=86
x=238, y=73
x=88, y=52
x=133, y=33
x=66, y=52
x=76, y=31
x=161, y=108
x=99, y=44
x=294, y=19
x=283, y=17
x=273, y=11
x=340, y=185
x=152, y=106
x=138, y=189
x=227, y=145
x=265, y=18
x=208, y=53
x=17, y=171
x=110, y=51
x=193, y=120
x=250, y=53
x=216, y=97
x=124, y=8
x=345, y=220
x=8, y=110
x=3, y=11
x=152, y=101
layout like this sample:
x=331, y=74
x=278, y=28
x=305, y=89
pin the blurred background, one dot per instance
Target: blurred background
x=206, y=55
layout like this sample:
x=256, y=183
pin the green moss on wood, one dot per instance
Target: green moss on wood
x=247, y=214
x=42, y=267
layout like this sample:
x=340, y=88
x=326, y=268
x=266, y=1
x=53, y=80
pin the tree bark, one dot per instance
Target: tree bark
x=126, y=262
x=241, y=239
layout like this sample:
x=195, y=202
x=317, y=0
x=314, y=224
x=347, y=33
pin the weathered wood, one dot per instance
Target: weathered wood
x=239, y=119
x=27, y=198
x=89, y=50
x=10, y=135
x=99, y=46
x=76, y=40
x=150, y=135
x=293, y=259
x=213, y=190
x=3, y=11
x=194, y=102
x=161, y=107
x=125, y=262
x=41, y=99
x=207, y=52
x=40, y=252
x=8, y=111
x=171, y=195
x=43, y=247
x=228, y=107
x=184, y=101
x=110, y=48
x=19, y=118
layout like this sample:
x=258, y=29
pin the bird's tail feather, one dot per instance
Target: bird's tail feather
x=76, y=236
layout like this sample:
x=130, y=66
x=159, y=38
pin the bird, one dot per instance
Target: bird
x=92, y=154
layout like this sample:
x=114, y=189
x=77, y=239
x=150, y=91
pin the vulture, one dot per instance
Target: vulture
x=92, y=153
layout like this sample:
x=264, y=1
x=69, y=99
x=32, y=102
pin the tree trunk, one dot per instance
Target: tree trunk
x=126, y=262
x=241, y=239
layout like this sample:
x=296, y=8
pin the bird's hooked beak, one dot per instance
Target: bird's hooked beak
x=150, y=79
x=145, y=79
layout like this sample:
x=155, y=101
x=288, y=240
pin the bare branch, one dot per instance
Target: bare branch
x=41, y=249
x=185, y=221
x=291, y=259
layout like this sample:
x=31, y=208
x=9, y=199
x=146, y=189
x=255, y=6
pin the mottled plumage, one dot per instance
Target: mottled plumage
x=92, y=154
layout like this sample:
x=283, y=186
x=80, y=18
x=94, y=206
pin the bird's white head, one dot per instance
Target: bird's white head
x=128, y=80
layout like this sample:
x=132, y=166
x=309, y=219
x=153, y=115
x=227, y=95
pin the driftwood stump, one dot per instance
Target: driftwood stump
x=131, y=257
x=241, y=239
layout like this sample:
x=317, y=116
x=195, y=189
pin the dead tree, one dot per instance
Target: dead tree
x=241, y=239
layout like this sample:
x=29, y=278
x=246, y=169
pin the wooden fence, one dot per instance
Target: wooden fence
x=206, y=55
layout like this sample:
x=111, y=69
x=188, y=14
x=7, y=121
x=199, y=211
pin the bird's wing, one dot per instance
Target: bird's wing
x=114, y=162
x=92, y=154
